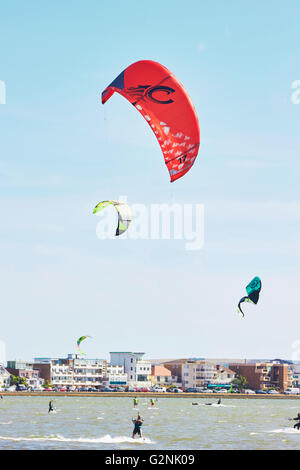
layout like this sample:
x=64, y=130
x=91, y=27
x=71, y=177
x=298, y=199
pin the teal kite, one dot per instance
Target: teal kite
x=253, y=289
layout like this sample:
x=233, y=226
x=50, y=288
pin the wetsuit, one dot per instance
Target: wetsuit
x=50, y=406
x=297, y=425
x=137, y=427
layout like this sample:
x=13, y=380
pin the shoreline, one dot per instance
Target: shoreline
x=150, y=395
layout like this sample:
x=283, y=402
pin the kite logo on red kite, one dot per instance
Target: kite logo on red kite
x=143, y=92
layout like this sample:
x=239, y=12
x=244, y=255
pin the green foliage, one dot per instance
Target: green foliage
x=47, y=384
x=15, y=380
x=240, y=381
x=173, y=385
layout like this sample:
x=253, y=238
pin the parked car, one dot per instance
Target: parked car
x=118, y=389
x=48, y=389
x=193, y=390
x=158, y=389
x=260, y=392
x=130, y=389
x=249, y=391
x=273, y=392
x=292, y=391
x=107, y=389
x=21, y=388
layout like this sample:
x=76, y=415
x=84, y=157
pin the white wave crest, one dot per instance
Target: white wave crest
x=107, y=439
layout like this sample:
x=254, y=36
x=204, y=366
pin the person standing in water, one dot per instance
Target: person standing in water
x=137, y=426
x=135, y=402
x=152, y=402
x=50, y=406
x=297, y=425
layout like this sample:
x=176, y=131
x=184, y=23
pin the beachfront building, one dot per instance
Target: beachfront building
x=4, y=377
x=163, y=377
x=296, y=375
x=199, y=373
x=224, y=375
x=72, y=371
x=87, y=372
x=175, y=366
x=114, y=376
x=265, y=375
x=25, y=371
x=137, y=369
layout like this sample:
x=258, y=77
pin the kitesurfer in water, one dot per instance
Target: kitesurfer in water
x=50, y=406
x=135, y=402
x=137, y=426
x=218, y=403
x=152, y=402
x=297, y=425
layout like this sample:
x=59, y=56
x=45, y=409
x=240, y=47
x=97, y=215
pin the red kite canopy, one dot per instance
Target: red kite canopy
x=168, y=109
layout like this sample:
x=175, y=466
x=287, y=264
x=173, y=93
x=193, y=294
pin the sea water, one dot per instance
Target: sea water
x=174, y=423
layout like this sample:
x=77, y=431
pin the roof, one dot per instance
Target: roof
x=160, y=371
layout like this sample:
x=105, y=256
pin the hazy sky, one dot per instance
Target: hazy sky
x=61, y=152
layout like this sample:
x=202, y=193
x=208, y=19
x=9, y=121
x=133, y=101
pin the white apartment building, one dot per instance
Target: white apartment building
x=202, y=373
x=72, y=371
x=4, y=378
x=115, y=375
x=296, y=375
x=138, y=371
x=88, y=372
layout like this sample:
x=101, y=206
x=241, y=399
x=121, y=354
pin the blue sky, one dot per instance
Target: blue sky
x=61, y=152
